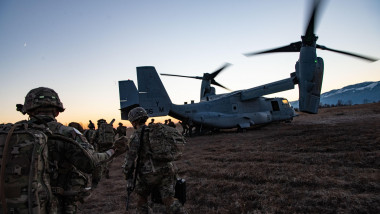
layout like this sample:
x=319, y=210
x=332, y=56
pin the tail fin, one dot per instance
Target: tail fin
x=152, y=94
x=129, y=97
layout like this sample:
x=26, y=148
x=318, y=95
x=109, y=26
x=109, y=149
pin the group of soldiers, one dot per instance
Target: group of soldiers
x=73, y=155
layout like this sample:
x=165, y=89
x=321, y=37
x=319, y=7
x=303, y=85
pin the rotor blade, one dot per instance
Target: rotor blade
x=293, y=47
x=218, y=84
x=347, y=53
x=215, y=73
x=311, y=26
x=173, y=75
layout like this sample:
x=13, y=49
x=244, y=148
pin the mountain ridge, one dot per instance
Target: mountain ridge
x=360, y=93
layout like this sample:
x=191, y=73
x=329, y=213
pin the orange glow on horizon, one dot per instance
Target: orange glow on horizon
x=126, y=123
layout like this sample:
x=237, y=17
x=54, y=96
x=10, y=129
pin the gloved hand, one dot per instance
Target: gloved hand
x=121, y=145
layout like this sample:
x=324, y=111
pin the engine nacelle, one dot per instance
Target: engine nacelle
x=309, y=84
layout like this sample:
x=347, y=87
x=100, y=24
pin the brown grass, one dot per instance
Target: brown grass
x=324, y=163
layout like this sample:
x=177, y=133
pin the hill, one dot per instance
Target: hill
x=361, y=93
x=320, y=163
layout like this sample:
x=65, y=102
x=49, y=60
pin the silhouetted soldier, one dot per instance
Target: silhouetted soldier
x=121, y=130
x=185, y=128
x=170, y=123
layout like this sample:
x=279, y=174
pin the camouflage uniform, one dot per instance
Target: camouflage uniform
x=68, y=163
x=90, y=134
x=150, y=175
x=103, y=169
x=68, y=160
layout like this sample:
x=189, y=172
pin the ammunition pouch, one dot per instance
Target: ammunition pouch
x=180, y=190
x=57, y=190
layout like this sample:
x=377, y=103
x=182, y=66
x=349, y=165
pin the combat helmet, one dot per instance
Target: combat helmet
x=42, y=97
x=137, y=113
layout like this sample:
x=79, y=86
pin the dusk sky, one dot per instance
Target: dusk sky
x=82, y=48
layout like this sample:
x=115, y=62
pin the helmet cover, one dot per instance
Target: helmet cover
x=42, y=97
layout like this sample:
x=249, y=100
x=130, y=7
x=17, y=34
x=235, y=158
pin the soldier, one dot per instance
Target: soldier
x=69, y=155
x=105, y=141
x=121, y=130
x=151, y=174
x=90, y=134
x=151, y=121
x=185, y=128
x=170, y=123
x=91, y=125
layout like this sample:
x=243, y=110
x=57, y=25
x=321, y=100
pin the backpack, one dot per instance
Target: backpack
x=24, y=177
x=106, y=135
x=166, y=143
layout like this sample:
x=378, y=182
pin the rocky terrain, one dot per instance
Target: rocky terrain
x=323, y=163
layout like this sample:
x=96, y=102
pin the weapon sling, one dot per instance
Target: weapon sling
x=137, y=165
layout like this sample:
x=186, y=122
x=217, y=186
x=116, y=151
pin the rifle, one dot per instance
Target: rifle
x=112, y=121
x=129, y=190
x=134, y=170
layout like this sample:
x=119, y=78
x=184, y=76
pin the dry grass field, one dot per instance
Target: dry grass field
x=323, y=163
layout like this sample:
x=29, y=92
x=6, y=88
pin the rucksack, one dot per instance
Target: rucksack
x=166, y=143
x=24, y=169
x=105, y=134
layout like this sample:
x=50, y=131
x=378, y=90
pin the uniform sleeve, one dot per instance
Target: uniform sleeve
x=99, y=157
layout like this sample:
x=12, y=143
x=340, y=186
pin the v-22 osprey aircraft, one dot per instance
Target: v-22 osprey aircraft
x=238, y=109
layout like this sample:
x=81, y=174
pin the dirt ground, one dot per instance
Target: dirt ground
x=323, y=163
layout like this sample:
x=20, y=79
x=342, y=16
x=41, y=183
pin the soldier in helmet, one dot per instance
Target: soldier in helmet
x=151, y=121
x=121, y=130
x=105, y=137
x=151, y=174
x=69, y=156
x=171, y=123
x=90, y=134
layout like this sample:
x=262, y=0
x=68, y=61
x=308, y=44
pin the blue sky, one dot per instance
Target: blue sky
x=83, y=48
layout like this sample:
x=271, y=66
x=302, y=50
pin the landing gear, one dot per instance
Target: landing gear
x=240, y=129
